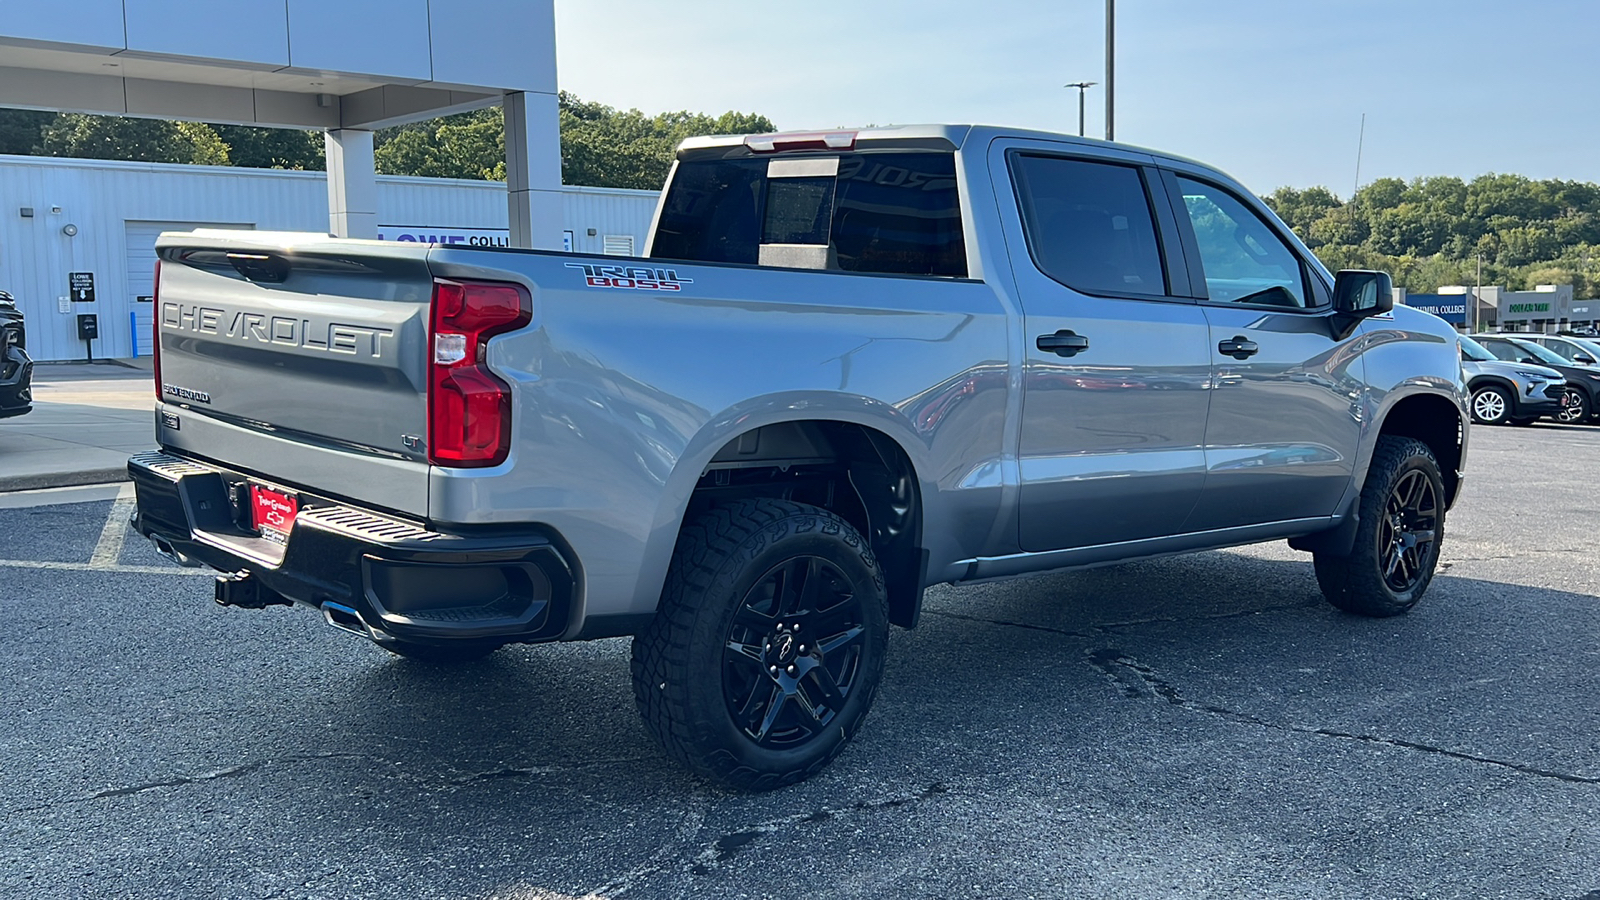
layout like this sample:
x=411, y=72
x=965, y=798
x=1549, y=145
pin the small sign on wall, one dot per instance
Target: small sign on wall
x=81, y=284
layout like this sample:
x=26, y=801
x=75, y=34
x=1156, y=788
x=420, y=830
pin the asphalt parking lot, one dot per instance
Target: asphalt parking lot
x=1195, y=727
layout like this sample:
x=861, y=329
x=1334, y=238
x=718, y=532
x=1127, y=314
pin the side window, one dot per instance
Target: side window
x=1244, y=260
x=1567, y=351
x=1089, y=225
x=1504, y=350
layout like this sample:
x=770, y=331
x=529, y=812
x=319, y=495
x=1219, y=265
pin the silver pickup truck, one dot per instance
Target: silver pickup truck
x=854, y=364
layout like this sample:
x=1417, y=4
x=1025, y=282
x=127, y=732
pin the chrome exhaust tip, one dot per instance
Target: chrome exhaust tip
x=345, y=618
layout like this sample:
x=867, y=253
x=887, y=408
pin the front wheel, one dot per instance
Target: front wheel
x=768, y=646
x=1576, y=412
x=1397, y=538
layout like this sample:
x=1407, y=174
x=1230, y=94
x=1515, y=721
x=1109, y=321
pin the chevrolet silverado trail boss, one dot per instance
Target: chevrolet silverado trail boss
x=853, y=364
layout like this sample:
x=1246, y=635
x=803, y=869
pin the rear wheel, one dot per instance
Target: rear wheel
x=1398, y=537
x=1491, y=405
x=768, y=645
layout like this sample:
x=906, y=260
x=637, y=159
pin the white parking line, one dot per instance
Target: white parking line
x=109, y=548
x=88, y=567
x=83, y=493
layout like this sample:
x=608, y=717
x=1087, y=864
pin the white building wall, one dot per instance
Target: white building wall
x=102, y=197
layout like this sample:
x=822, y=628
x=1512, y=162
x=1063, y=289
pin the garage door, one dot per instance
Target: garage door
x=141, y=245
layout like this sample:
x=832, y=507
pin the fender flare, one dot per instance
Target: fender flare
x=760, y=412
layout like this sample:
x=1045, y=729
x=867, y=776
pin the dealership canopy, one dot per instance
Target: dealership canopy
x=344, y=66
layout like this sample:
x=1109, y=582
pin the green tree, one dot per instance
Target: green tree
x=600, y=146
x=22, y=130
x=467, y=145
x=272, y=148
x=142, y=140
x=605, y=147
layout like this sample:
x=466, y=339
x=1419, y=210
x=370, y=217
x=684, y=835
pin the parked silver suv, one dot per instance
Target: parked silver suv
x=855, y=364
x=1509, y=393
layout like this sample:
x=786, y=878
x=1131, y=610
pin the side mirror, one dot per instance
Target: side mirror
x=1362, y=293
x=1583, y=359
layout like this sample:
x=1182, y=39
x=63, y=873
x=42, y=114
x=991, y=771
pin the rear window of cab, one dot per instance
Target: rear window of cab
x=890, y=212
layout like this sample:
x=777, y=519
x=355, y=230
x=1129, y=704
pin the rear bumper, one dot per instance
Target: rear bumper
x=369, y=572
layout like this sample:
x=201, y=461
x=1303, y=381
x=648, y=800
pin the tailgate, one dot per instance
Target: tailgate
x=300, y=357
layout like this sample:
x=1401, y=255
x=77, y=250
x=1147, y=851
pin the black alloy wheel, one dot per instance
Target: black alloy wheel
x=1576, y=412
x=794, y=652
x=1399, y=530
x=768, y=645
x=1408, y=530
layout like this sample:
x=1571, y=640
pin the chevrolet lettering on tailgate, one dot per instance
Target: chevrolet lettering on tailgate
x=283, y=331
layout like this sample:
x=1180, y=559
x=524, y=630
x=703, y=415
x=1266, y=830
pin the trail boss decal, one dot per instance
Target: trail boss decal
x=631, y=278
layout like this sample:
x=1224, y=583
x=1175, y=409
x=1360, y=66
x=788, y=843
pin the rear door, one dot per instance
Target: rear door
x=1286, y=400
x=1114, y=405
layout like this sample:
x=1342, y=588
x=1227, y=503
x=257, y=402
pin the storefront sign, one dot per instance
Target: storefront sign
x=1449, y=307
x=472, y=237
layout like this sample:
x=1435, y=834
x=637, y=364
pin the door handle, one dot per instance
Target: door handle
x=1062, y=343
x=1238, y=347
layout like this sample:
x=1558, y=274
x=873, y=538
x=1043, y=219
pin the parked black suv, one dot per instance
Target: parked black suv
x=16, y=369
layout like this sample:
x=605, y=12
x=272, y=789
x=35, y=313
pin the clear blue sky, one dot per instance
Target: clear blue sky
x=1269, y=90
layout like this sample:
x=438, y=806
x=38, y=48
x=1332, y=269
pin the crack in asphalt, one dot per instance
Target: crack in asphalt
x=730, y=844
x=1114, y=664
x=536, y=771
x=251, y=768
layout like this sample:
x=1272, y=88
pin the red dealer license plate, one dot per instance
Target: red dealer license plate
x=272, y=512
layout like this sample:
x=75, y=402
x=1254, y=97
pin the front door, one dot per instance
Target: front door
x=1286, y=400
x=1114, y=402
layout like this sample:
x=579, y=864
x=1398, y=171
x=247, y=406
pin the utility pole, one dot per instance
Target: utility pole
x=1111, y=69
x=1083, y=87
x=1476, y=288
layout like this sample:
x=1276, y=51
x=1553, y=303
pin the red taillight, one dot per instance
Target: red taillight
x=155, y=327
x=469, y=409
x=808, y=140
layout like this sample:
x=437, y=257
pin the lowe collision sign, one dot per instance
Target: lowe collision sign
x=476, y=237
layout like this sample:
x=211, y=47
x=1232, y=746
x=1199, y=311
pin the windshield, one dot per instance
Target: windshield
x=1471, y=349
x=1589, y=347
x=1542, y=354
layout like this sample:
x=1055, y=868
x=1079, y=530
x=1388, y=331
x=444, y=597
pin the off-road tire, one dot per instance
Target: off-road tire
x=1357, y=583
x=679, y=665
x=443, y=654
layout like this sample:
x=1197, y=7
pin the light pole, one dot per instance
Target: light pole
x=1083, y=87
x=1111, y=68
x=1477, y=287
